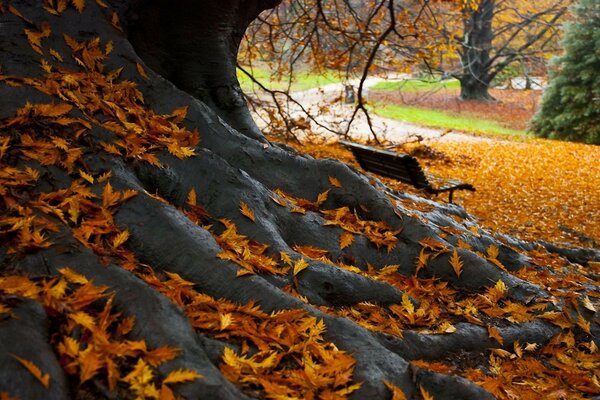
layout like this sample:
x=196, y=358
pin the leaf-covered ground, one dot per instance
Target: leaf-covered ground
x=531, y=188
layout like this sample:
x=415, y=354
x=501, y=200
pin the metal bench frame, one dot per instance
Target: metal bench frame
x=403, y=167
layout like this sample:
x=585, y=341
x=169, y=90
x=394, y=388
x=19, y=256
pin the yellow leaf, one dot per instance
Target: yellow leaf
x=492, y=252
x=86, y=176
x=300, y=265
x=518, y=349
x=73, y=276
x=587, y=303
x=90, y=363
x=335, y=182
x=83, y=319
x=494, y=333
x=226, y=320
x=182, y=375
x=279, y=201
x=55, y=54
x=141, y=71
x=246, y=211
x=191, y=197
x=322, y=197
x=583, y=324
x=346, y=239
x=34, y=370
x=408, y=304
x=285, y=257
x=456, y=263
x=120, y=239
x=531, y=347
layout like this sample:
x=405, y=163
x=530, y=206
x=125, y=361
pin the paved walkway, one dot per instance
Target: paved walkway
x=326, y=105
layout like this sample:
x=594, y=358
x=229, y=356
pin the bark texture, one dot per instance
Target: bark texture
x=188, y=50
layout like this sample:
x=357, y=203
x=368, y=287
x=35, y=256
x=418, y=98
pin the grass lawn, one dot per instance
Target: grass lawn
x=416, y=85
x=440, y=119
x=300, y=81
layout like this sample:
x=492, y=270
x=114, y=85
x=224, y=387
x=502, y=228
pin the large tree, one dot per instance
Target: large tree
x=155, y=244
x=496, y=34
x=570, y=105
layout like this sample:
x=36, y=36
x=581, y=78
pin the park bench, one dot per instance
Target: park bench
x=403, y=167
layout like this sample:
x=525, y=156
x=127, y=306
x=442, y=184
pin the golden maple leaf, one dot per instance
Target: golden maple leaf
x=346, y=239
x=247, y=211
x=494, y=333
x=182, y=375
x=300, y=265
x=456, y=263
x=34, y=370
x=335, y=182
x=79, y=5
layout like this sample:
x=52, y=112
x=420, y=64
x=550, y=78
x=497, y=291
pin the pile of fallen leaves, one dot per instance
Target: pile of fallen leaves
x=534, y=189
x=292, y=358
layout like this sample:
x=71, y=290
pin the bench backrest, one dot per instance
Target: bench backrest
x=403, y=167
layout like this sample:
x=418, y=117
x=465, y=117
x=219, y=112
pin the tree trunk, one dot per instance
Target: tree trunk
x=194, y=45
x=475, y=57
x=268, y=306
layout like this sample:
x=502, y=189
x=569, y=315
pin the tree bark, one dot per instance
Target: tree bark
x=194, y=45
x=475, y=58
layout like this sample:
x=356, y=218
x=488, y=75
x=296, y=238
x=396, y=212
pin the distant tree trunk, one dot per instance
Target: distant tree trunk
x=475, y=58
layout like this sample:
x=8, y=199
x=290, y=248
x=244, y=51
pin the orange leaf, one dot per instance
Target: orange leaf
x=86, y=176
x=34, y=370
x=583, y=324
x=494, y=333
x=79, y=5
x=300, y=265
x=346, y=239
x=456, y=263
x=425, y=393
x=246, y=211
x=161, y=355
x=182, y=375
x=120, y=239
x=141, y=71
x=90, y=364
x=335, y=182
x=191, y=197
x=73, y=276
x=397, y=393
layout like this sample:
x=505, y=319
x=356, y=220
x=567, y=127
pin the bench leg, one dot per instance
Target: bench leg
x=450, y=193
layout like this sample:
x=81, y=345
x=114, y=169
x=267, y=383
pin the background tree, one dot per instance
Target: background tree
x=473, y=41
x=570, y=106
x=154, y=244
x=494, y=35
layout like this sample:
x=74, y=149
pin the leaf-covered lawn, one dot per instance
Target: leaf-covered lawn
x=531, y=188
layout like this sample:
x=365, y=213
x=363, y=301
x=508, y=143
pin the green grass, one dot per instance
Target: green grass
x=416, y=85
x=439, y=119
x=300, y=81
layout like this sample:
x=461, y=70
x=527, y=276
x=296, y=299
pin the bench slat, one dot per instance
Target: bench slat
x=403, y=167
